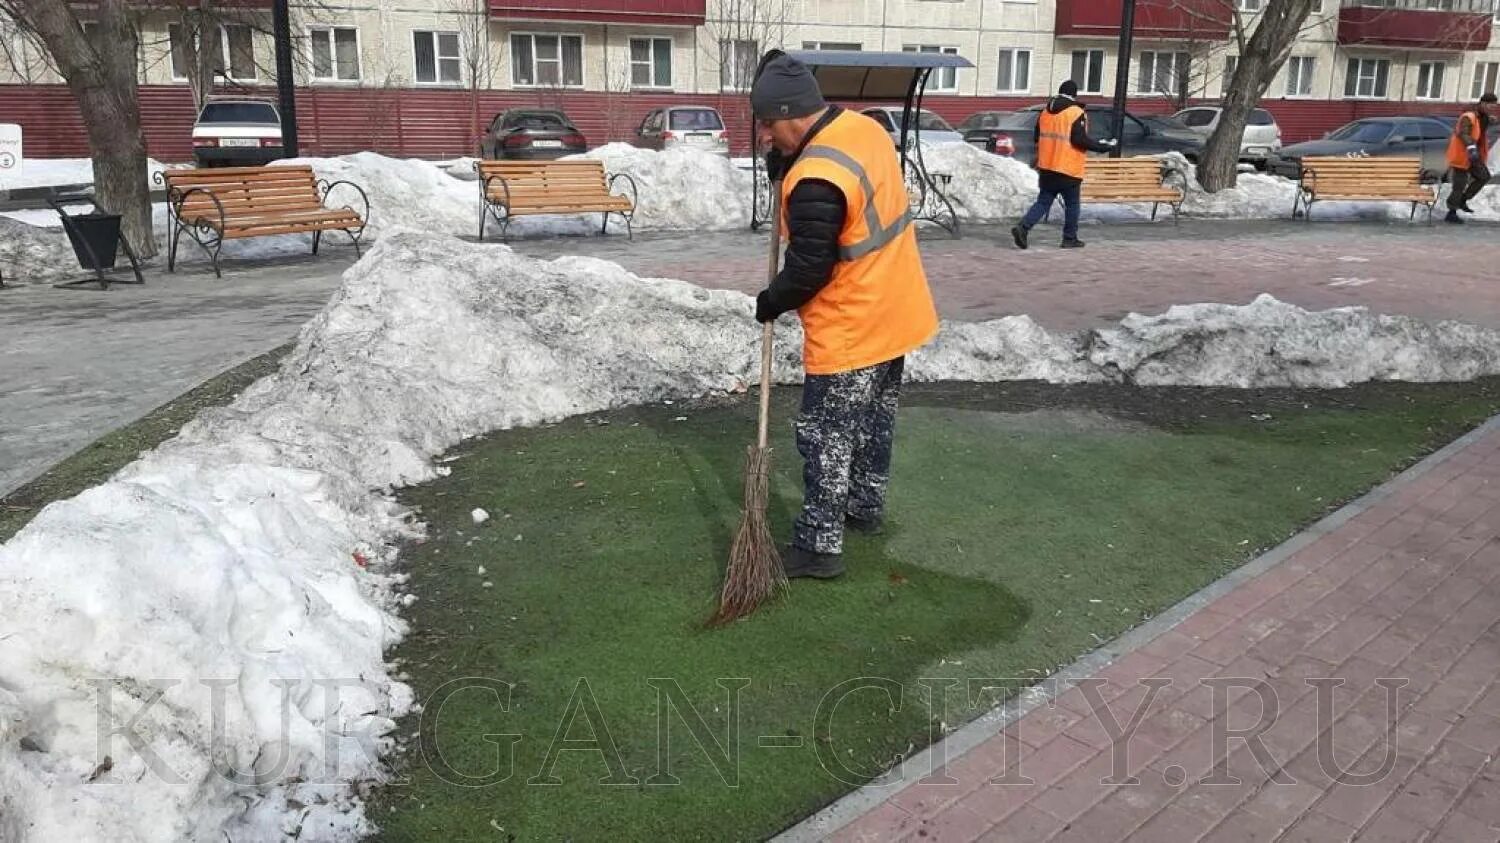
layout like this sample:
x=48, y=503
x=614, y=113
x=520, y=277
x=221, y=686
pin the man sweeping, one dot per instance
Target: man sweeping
x=1468, y=156
x=853, y=274
x=1062, y=147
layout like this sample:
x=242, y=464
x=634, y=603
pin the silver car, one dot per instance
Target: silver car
x=1262, y=140
x=934, y=129
x=690, y=126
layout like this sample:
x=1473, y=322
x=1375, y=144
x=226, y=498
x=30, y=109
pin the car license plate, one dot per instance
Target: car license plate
x=1259, y=150
x=546, y=144
x=239, y=142
x=700, y=138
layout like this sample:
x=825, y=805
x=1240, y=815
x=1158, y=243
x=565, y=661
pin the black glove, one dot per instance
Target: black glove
x=765, y=309
x=776, y=165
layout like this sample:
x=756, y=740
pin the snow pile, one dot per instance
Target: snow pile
x=682, y=188
x=983, y=186
x=194, y=649
x=32, y=255
x=61, y=172
x=1271, y=343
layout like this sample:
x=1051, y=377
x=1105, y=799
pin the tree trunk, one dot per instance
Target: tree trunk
x=1264, y=54
x=105, y=85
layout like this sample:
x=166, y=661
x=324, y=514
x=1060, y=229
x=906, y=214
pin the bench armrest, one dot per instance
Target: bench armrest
x=634, y=191
x=326, y=187
x=1304, y=176
x=484, y=189
x=176, y=200
x=1169, y=173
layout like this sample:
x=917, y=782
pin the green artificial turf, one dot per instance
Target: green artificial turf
x=576, y=697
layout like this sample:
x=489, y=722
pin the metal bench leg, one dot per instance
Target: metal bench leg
x=317, y=236
x=484, y=210
x=1154, y=206
x=604, y=226
x=176, y=231
x=354, y=238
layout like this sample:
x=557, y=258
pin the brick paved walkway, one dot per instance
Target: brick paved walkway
x=1398, y=594
x=1438, y=272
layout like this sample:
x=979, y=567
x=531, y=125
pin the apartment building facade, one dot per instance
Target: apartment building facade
x=419, y=77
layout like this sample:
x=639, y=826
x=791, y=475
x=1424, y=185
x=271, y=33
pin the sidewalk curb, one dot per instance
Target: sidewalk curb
x=852, y=806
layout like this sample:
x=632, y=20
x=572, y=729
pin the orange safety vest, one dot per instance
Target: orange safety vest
x=1054, y=146
x=1458, y=147
x=877, y=306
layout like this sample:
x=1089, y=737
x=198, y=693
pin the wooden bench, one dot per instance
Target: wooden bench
x=1121, y=181
x=510, y=189
x=215, y=204
x=1336, y=178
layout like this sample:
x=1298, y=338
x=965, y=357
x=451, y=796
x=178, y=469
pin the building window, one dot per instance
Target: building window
x=737, y=61
x=1430, y=80
x=1367, y=78
x=1485, y=74
x=546, y=60
x=437, y=58
x=1088, y=71
x=1249, y=5
x=650, y=62
x=1015, y=72
x=335, y=53
x=1230, y=64
x=1299, y=76
x=832, y=45
x=231, y=48
x=1162, y=73
x=944, y=78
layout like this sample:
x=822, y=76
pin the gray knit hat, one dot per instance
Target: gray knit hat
x=785, y=89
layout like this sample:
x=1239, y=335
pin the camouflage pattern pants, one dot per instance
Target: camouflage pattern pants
x=844, y=434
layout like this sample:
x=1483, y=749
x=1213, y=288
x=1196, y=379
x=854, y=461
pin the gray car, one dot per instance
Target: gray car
x=531, y=134
x=1378, y=137
x=934, y=129
x=1141, y=136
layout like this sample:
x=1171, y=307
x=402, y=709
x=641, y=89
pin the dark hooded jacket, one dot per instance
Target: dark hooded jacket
x=1079, y=136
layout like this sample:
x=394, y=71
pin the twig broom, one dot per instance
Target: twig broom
x=754, y=574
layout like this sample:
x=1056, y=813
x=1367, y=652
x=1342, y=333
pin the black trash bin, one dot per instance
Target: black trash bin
x=95, y=238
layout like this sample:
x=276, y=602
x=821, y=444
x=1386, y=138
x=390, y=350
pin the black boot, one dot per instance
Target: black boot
x=1018, y=233
x=805, y=563
x=1464, y=206
x=1453, y=217
x=868, y=526
x=1072, y=243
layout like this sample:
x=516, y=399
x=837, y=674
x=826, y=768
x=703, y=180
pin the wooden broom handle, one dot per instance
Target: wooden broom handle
x=773, y=264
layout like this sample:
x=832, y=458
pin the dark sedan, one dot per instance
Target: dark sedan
x=1141, y=136
x=1377, y=137
x=531, y=134
x=984, y=129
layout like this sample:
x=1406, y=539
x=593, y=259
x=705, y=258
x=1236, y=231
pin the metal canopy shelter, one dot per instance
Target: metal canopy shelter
x=855, y=75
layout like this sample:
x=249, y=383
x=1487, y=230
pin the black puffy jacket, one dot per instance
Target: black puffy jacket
x=814, y=217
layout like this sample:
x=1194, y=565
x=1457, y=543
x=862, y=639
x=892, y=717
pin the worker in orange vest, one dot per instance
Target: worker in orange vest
x=1062, y=147
x=853, y=274
x=1468, y=156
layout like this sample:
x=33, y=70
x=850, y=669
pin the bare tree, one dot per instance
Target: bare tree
x=738, y=33
x=474, y=52
x=26, y=57
x=101, y=71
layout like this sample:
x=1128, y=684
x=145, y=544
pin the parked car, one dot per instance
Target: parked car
x=1262, y=138
x=530, y=134
x=982, y=129
x=237, y=132
x=1141, y=136
x=934, y=129
x=689, y=126
x=1426, y=137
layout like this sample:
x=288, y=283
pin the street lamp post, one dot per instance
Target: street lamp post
x=1122, y=75
x=281, y=28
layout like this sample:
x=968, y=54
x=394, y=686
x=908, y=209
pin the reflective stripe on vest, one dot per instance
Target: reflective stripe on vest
x=879, y=235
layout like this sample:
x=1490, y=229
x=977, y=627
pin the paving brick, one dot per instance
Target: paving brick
x=1386, y=827
x=1479, y=731
x=1283, y=803
x=884, y=824
x=1042, y=724
x=1348, y=636
x=1171, y=824
x=1482, y=800
x=1243, y=827
x=952, y=825
x=1169, y=645
x=1459, y=827
x=1204, y=624
x=1026, y=825
x=1317, y=828
x=1354, y=804
x=1423, y=799
x=1079, y=790
x=1054, y=760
